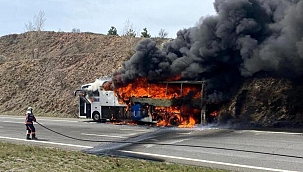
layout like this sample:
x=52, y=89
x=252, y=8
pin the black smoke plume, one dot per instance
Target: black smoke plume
x=243, y=38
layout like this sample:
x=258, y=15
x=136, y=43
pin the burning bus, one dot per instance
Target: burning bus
x=166, y=103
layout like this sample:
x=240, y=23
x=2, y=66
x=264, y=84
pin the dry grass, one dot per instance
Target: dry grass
x=32, y=158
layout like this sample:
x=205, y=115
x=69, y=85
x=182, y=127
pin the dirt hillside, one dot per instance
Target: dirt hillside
x=266, y=102
x=44, y=73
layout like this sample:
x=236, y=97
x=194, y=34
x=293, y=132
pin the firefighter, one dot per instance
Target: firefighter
x=29, y=119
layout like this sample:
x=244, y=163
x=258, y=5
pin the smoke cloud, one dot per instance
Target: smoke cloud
x=243, y=38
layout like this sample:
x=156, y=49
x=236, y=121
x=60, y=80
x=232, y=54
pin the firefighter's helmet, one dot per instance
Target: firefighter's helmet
x=29, y=108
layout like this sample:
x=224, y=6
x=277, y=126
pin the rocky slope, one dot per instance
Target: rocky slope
x=44, y=75
x=266, y=102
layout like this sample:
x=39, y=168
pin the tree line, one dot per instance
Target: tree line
x=38, y=21
x=36, y=25
x=131, y=32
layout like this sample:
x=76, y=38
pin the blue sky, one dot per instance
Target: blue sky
x=98, y=16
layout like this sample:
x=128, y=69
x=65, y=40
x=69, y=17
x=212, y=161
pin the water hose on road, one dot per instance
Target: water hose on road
x=86, y=140
x=168, y=144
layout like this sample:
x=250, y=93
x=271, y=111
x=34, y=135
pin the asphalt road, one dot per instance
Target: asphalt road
x=237, y=150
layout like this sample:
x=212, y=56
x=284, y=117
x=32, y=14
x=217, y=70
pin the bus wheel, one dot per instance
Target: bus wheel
x=96, y=116
x=174, y=121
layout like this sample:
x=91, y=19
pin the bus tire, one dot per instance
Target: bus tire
x=174, y=121
x=96, y=116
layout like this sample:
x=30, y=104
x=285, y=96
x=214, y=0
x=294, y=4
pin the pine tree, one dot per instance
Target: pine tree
x=145, y=34
x=112, y=31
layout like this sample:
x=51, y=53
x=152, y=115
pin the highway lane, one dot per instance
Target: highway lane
x=13, y=129
x=238, y=150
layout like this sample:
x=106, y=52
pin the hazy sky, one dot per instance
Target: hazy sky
x=99, y=15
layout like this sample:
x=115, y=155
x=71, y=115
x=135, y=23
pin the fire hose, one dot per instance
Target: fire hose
x=168, y=144
x=70, y=136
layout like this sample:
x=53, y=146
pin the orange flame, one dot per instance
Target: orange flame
x=181, y=116
x=141, y=88
x=191, y=123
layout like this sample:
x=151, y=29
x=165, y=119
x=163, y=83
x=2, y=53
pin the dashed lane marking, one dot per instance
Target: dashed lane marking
x=271, y=132
x=102, y=135
x=41, y=119
x=57, y=120
x=184, y=133
x=123, y=129
x=14, y=122
x=172, y=142
x=177, y=141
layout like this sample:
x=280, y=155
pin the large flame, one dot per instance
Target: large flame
x=141, y=88
x=182, y=116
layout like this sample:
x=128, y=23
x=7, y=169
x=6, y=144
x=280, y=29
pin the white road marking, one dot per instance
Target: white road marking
x=148, y=145
x=13, y=117
x=177, y=141
x=133, y=130
x=55, y=120
x=184, y=133
x=15, y=122
x=131, y=134
x=207, y=161
x=101, y=135
x=173, y=142
x=40, y=141
x=272, y=132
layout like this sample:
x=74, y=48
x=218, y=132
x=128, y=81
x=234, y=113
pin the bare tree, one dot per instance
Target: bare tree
x=40, y=20
x=128, y=29
x=34, y=28
x=29, y=27
x=129, y=33
x=162, y=33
